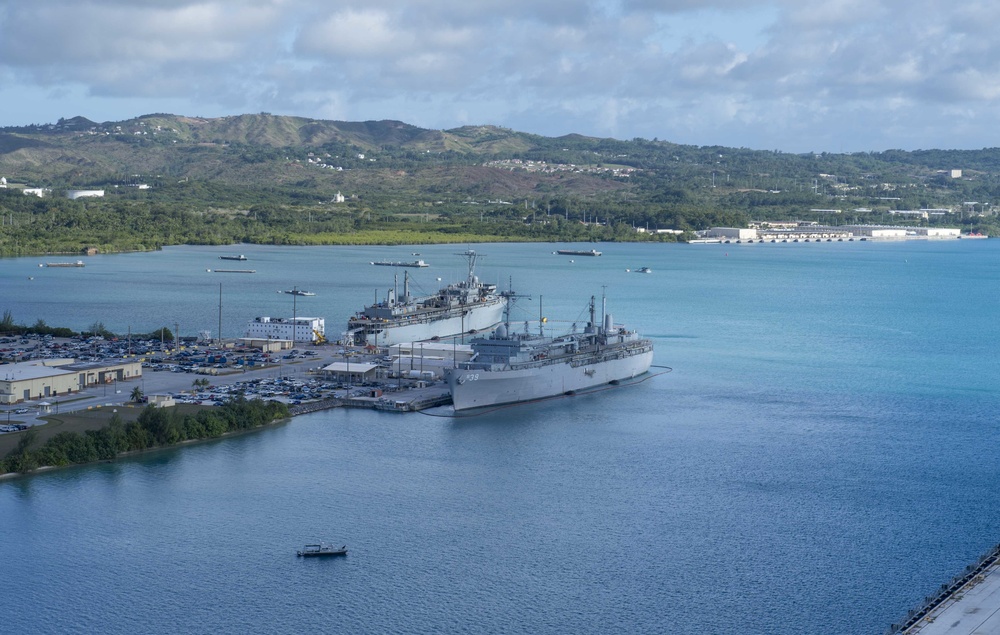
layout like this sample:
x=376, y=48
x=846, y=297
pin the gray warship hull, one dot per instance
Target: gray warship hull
x=427, y=325
x=477, y=388
x=508, y=367
x=462, y=307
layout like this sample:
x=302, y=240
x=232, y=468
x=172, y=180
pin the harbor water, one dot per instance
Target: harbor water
x=821, y=457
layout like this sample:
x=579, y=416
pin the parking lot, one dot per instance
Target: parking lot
x=196, y=374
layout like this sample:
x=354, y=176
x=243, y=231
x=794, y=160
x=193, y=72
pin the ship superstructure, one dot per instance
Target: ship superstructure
x=508, y=367
x=462, y=307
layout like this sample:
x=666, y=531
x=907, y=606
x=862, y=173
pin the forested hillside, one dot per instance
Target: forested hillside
x=260, y=178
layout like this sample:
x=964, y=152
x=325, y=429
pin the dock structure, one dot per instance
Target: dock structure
x=315, y=406
x=408, y=400
x=968, y=605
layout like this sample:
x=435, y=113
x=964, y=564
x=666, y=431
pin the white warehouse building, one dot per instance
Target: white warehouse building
x=297, y=329
x=737, y=233
x=892, y=232
x=75, y=194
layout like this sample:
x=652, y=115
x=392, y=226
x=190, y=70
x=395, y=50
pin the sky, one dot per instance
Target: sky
x=789, y=75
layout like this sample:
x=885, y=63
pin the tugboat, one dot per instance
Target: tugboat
x=322, y=549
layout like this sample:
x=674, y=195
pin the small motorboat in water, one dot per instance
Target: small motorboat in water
x=322, y=549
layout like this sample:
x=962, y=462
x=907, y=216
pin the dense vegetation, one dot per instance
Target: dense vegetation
x=155, y=427
x=279, y=180
x=9, y=327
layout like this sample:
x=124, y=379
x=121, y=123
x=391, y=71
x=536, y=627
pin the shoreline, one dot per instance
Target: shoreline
x=449, y=240
x=48, y=468
x=439, y=240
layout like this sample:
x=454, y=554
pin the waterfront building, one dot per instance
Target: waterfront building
x=39, y=379
x=297, y=329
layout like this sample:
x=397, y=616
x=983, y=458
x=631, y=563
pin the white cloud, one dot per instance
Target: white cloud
x=779, y=73
x=355, y=33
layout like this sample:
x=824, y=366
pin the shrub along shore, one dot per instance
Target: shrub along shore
x=154, y=428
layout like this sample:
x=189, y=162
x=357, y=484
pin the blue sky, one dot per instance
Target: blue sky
x=798, y=76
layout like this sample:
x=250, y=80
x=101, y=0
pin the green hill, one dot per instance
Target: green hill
x=256, y=176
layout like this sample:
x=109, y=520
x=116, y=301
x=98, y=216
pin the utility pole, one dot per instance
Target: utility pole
x=220, y=315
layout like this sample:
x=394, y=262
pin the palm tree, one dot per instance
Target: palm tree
x=137, y=394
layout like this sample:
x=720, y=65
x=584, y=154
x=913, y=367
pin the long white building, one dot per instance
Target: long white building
x=298, y=329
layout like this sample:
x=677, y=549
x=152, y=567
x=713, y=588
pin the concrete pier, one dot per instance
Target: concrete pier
x=968, y=605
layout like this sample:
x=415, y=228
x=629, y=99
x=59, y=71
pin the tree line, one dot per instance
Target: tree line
x=155, y=427
x=9, y=327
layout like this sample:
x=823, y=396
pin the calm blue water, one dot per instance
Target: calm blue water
x=822, y=456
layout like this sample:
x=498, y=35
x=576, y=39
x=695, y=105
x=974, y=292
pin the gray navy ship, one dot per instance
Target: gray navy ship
x=461, y=307
x=508, y=367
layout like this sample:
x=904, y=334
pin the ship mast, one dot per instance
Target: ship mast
x=541, y=320
x=471, y=256
x=512, y=299
x=604, y=304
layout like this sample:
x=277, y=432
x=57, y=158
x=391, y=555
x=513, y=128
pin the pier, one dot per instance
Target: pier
x=968, y=605
x=405, y=400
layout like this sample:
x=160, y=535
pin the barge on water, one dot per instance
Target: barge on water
x=575, y=252
x=389, y=263
x=78, y=263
